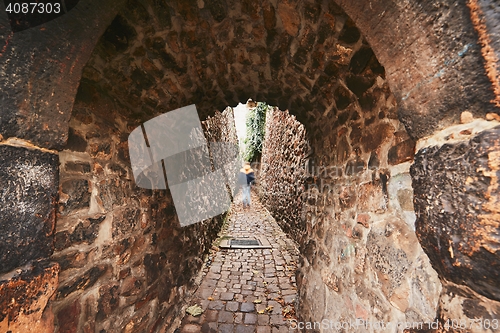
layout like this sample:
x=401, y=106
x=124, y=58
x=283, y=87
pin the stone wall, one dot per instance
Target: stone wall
x=220, y=131
x=28, y=195
x=282, y=171
x=439, y=58
x=456, y=179
x=351, y=207
x=24, y=298
x=125, y=260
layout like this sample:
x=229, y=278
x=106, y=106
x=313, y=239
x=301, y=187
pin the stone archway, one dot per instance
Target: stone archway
x=280, y=52
x=423, y=44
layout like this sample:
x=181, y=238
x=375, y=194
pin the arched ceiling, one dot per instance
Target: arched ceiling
x=156, y=56
x=147, y=65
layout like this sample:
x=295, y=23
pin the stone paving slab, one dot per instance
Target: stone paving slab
x=247, y=290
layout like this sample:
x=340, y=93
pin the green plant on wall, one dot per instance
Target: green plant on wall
x=256, y=123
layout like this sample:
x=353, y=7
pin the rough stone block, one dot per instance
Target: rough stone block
x=350, y=33
x=342, y=97
x=130, y=287
x=290, y=18
x=425, y=290
x=24, y=298
x=76, y=142
x=29, y=194
x=402, y=152
x=363, y=219
x=112, y=193
x=108, y=300
x=124, y=221
x=405, y=199
x=358, y=84
x=75, y=195
x=86, y=232
x=100, y=150
x=376, y=135
x=389, y=261
x=69, y=317
x=360, y=60
x=457, y=208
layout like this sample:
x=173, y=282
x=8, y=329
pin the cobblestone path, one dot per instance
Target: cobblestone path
x=247, y=290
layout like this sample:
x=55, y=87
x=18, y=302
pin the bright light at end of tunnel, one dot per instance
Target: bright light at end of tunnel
x=240, y=116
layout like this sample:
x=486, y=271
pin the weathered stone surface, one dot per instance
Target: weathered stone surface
x=376, y=135
x=342, y=192
x=289, y=18
x=282, y=173
x=350, y=33
x=372, y=197
x=359, y=84
x=342, y=98
x=120, y=34
x=27, y=213
x=466, y=117
x=35, y=58
x=426, y=103
x=68, y=318
x=75, y=141
x=82, y=282
x=125, y=221
x=77, y=195
x=119, y=245
x=86, y=232
x=456, y=201
x=402, y=152
x=218, y=9
x=466, y=306
x=360, y=60
x=108, y=301
x=389, y=260
x=24, y=299
x=157, y=56
x=405, y=198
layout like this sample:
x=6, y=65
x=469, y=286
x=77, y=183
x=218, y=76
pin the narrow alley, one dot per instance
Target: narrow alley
x=247, y=290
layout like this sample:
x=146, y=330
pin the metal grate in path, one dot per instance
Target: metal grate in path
x=245, y=242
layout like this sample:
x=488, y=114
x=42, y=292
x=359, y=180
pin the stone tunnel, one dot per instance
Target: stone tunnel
x=381, y=159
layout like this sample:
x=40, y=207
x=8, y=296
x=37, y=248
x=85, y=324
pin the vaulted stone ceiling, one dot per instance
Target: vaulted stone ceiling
x=217, y=53
x=305, y=59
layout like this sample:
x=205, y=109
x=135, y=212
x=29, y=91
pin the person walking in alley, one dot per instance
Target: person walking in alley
x=246, y=179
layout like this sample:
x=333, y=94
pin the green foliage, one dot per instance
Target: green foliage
x=256, y=123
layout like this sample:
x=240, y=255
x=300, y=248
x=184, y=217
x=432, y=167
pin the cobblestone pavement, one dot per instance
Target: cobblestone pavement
x=247, y=290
